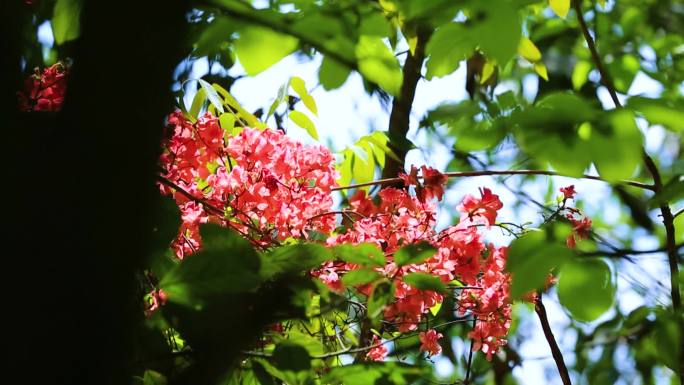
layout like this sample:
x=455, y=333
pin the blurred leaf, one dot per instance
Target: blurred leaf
x=414, y=253
x=658, y=111
x=303, y=121
x=151, y=377
x=617, y=153
x=360, y=277
x=66, y=20
x=447, y=47
x=528, y=50
x=531, y=259
x=375, y=373
x=288, y=259
x=560, y=7
x=382, y=294
x=580, y=74
x=378, y=64
x=364, y=254
x=424, y=281
x=586, y=288
x=332, y=74
x=259, y=48
x=540, y=69
x=227, y=263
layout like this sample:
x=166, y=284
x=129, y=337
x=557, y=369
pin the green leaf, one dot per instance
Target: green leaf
x=586, y=288
x=528, y=50
x=580, y=74
x=435, y=309
x=288, y=259
x=658, y=111
x=332, y=75
x=446, y=48
x=259, y=48
x=227, y=122
x=243, y=114
x=303, y=121
x=197, y=103
x=617, y=154
x=300, y=88
x=531, y=259
x=414, y=253
x=375, y=373
x=212, y=95
x=280, y=98
x=424, y=281
x=378, y=64
x=66, y=20
x=291, y=357
x=227, y=263
x=382, y=294
x=293, y=362
x=496, y=29
x=560, y=7
x=360, y=277
x=364, y=254
x=151, y=377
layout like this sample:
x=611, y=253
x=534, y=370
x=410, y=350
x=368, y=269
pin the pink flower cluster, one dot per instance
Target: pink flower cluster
x=581, y=224
x=44, y=91
x=399, y=219
x=261, y=183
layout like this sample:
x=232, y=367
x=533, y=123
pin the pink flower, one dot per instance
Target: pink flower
x=568, y=191
x=378, y=352
x=429, y=342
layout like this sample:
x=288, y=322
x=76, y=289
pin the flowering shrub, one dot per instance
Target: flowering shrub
x=44, y=91
x=400, y=219
x=261, y=183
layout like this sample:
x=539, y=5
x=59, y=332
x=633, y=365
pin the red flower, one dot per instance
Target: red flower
x=432, y=186
x=44, y=91
x=429, y=342
x=581, y=229
x=568, y=191
x=486, y=208
x=378, y=352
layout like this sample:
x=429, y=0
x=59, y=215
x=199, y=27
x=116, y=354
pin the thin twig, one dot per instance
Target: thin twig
x=463, y=174
x=548, y=333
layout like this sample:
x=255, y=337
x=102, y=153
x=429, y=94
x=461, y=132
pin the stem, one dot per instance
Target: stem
x=495, y=172
x=555, y=350
x=470, y=357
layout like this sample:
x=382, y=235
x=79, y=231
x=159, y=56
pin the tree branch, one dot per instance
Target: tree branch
x=402, y=104
x=463, y=174
x=548, y=333
x=605, y=79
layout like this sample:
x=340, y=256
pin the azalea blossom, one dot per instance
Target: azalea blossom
x=429, y=342
x=378, y=351
x=44, y=90
x=568, y=191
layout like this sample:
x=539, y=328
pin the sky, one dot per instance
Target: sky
x=347, y=113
